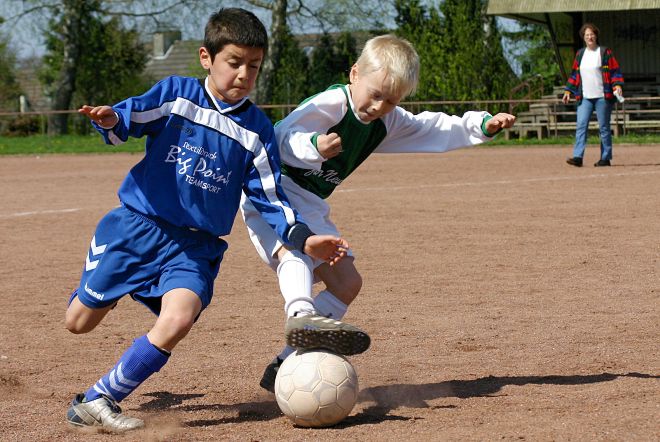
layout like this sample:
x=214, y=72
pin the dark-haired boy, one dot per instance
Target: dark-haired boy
x=206, y=144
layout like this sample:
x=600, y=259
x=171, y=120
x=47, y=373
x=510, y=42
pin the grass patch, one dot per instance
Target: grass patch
x=649, y=138
x=73, y=144
x=70, y=144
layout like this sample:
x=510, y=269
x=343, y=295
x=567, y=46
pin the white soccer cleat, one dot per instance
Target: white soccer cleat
x=102, y=412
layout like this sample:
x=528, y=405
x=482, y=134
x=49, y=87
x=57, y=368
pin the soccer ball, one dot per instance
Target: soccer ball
x=316, y=388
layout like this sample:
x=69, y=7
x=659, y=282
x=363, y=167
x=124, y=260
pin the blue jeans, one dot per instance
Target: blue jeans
x=603, y=111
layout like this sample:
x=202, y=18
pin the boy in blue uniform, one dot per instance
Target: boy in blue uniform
x=206, y=145
x=322, y=142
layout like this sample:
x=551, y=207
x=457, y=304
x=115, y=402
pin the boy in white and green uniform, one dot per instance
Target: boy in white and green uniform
x=324, y=140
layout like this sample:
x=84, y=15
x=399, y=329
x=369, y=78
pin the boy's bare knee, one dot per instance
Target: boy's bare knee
x=177, y=324
x=347, y=288
x=77, y=327
x=353, y=285
x=81, y=319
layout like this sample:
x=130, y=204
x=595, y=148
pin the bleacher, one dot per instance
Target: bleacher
x=548, y=116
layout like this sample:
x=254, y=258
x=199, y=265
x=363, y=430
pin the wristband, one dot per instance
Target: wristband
x=298, y=234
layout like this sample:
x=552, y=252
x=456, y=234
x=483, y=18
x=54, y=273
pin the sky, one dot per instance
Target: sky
x=26, y=35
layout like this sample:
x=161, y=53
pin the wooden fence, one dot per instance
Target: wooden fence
x=541, y=117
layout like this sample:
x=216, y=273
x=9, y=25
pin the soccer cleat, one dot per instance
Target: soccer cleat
x=270, y=373
x=102, y=412
x=311, y=331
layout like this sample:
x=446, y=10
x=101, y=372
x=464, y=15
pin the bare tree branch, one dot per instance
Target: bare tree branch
x=149, y=13
x=260, y=4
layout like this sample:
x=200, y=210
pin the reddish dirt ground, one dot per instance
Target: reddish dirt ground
x=509, y=296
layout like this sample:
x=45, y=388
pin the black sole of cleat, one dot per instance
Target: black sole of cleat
x=337, y=341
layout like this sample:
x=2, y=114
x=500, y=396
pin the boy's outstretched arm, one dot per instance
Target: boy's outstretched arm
x=104, y=116
x=498, y=122
x=326, y=247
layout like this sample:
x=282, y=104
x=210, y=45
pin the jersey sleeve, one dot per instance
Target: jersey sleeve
x=263, y=188
x=431, y=131
x=314, y=117
x=142, y=115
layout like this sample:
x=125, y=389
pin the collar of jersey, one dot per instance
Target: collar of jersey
x=220, y=105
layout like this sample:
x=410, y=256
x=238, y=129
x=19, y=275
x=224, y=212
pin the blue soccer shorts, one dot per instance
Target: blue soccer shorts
x=131, y=254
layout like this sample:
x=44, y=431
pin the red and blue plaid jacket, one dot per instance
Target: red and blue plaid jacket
x=609, y=67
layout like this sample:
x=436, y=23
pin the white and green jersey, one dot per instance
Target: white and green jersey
x=399, y=131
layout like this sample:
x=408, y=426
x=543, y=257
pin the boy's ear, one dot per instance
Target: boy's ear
x=205, y=58
x=353, y=75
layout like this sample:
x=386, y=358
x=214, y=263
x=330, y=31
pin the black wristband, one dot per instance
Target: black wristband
x=298, y=234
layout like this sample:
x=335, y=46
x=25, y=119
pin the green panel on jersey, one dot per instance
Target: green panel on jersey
x=358, y=141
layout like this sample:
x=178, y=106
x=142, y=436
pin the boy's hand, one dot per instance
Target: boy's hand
x=104, y=116
x=566, y=97
x=500, y=121
x=326, y=247
x=329, y=145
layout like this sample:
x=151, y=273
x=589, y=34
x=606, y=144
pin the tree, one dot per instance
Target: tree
x=322, y=64
x=534, y=54
x=423, y=28
x=146, y=15
x=109, y=61
x=289, y=82
x=345, y=52
x=459, y=48
x=10, y=90
x=324, y=15
x=71, y=20
x=331, y=61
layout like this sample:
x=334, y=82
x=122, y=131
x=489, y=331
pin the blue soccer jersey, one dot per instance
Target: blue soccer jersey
x=200, y=155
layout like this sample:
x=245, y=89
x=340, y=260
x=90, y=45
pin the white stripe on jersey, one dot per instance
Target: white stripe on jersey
x=249, y=140
x=153, y=114
x=213, y=119
x=114, y=139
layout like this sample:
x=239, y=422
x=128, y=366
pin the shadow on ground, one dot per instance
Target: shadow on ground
x=382, y=399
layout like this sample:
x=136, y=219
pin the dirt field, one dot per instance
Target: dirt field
x=509, y=296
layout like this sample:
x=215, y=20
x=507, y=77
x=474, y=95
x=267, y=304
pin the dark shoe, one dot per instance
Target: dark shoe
x=270, y=373
x=602, y=163
x=575, y=161
x=309, y=330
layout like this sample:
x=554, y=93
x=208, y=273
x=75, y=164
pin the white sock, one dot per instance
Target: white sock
x=295, y=277
x=328, y=305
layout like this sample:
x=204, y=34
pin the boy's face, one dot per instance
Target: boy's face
x=233, y=72
x=372, y=94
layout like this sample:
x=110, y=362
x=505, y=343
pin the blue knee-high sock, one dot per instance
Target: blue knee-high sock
x=141, y=360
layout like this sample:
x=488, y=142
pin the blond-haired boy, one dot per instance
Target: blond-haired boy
x=323, y=141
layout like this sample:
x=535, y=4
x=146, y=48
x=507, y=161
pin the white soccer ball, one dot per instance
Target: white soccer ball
x=316, y=388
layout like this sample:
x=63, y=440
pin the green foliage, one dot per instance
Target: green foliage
x=289, y=82
x=423, y=28
x=331, y=61
x=322, y=68
x=345, y=52
x=9, y=88
x=22, y=126
x=109, y=63
x=460, y=51
x=532, y=44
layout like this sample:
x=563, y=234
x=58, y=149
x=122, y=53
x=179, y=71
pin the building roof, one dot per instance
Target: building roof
x=180, y=59
x=517, y=7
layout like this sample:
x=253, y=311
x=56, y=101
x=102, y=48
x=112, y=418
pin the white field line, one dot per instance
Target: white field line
x=37, y=212
x=419, y=186
x=490, y=183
